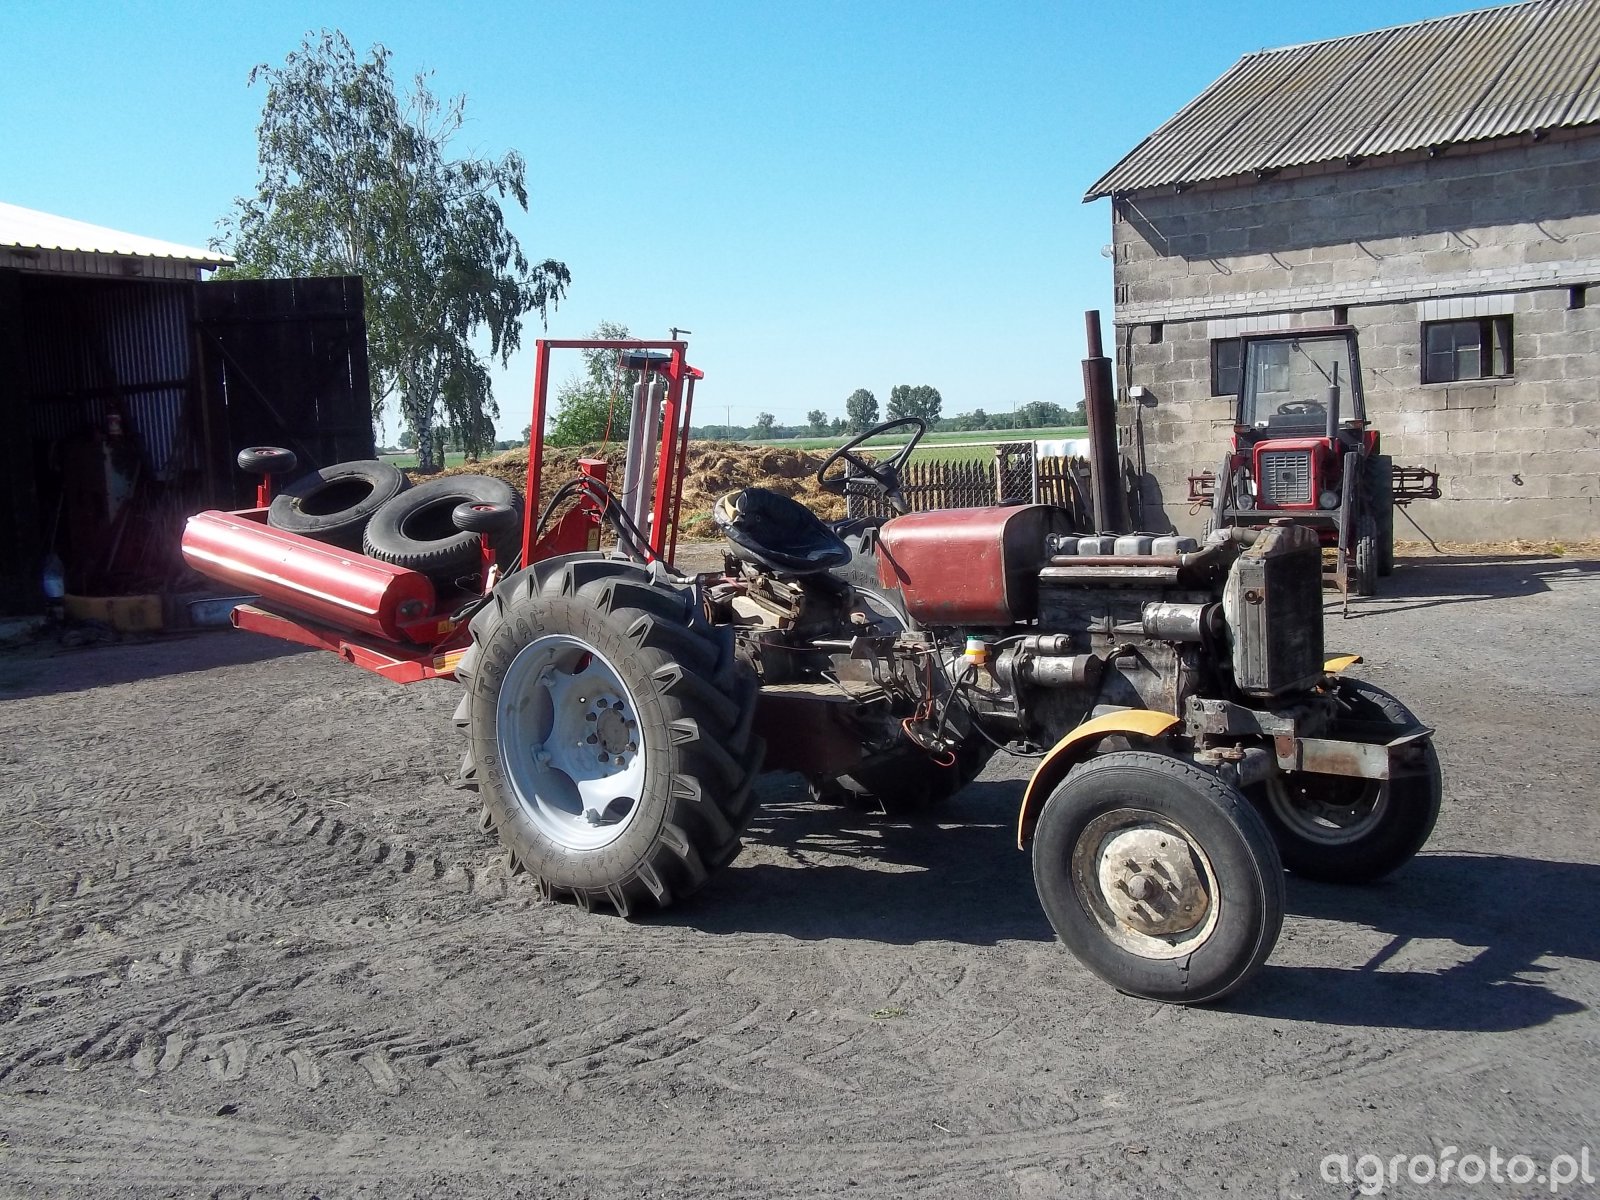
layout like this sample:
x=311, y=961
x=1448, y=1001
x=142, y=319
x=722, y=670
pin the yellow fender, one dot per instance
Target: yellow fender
x=1341, y=662
x=1075, y=747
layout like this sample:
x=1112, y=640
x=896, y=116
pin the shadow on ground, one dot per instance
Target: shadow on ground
x=904, y=882
x=1501, y=916
x=46, y=667
x=1467, y=579
x=957, y=877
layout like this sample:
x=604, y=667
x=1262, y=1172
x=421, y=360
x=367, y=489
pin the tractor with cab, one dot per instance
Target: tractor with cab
x=1192, y=739
x=1304, y=452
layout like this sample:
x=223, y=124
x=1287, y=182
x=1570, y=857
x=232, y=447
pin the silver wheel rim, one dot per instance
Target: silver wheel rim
x=1329, y=820
x=1146, y=882
x=570, y=743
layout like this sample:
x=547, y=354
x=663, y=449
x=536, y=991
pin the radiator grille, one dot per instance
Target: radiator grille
x=1286, y=477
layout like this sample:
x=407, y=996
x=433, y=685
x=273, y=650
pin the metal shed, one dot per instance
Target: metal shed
x=127, y=382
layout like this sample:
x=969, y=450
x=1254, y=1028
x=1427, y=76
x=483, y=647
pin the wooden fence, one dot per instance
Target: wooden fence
x=1012, y=476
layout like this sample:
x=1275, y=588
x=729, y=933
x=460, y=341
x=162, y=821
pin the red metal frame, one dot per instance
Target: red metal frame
x=402, y=664
x=662, y=536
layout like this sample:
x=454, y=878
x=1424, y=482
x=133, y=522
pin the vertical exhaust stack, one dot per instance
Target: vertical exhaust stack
x=1099, y=402
x=1332, y=406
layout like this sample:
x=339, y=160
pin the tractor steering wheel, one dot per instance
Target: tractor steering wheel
x=884, y=476
x=1297, y=408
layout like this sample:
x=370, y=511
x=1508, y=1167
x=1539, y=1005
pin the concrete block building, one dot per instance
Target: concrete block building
x=1436, y=186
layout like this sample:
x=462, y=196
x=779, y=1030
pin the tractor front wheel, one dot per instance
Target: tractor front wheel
x=1158, y=876
x=608, y=734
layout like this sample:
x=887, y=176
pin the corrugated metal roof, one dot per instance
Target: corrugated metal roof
x=1486, y=74
x=27, y=229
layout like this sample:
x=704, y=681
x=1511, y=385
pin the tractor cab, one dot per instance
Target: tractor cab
x=1285, y=381
x=1299, y=410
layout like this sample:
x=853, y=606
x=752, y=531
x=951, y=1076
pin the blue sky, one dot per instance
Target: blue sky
x=828, y=195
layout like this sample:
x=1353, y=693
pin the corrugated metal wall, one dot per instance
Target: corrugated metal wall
x=198, y=371
x=96, y=345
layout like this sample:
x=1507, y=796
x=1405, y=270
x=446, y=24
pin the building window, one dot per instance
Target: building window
x=1457, y=350
x=1227, y=360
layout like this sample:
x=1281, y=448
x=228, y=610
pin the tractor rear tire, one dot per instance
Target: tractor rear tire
x=1158, y=876
x=1380, y=494
x=1340, y=830
x=608, y=734
x=1364, y=557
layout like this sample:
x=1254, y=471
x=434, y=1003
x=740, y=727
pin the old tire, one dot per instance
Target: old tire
x=1364, y=557
x=417, y=529
x=1341, y=830
x=1204, y=907
x=334, y=504
x=598, y=649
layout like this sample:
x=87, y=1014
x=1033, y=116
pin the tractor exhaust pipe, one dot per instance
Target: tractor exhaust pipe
x=1100, y=406
x=1333, y=406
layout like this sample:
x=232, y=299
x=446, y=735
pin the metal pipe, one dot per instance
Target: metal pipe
x=541, y=386
x=1099, y=402
x=1333, y=405
x=1169, y=622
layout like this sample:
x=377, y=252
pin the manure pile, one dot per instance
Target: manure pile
x=715, y=468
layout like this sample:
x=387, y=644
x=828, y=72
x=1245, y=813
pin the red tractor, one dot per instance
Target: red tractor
x=1191, y=738
x=1303, y=451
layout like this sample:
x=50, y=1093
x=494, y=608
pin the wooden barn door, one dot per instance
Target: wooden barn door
x=281, y=362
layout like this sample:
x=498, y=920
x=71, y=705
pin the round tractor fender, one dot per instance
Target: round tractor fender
x=1077, y=746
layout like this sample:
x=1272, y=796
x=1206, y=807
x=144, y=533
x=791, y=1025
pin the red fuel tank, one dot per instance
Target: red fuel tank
x=969, y=566
x=342, y=589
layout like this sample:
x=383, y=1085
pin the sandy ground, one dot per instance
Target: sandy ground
x=252, y=943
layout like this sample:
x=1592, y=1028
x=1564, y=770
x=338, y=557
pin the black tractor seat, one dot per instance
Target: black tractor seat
x=770, y=530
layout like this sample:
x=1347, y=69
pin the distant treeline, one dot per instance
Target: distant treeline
x=1040, y=414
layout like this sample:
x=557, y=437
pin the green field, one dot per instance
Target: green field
x=408, y=459
x=987, y=436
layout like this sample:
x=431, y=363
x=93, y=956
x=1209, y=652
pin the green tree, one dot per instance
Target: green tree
x=1040, y=414
x=818, y=420
x=408, y=440
x=355, y=179
x=764, y=424
x=861, y=410
x=920, y=401
x=599, y=403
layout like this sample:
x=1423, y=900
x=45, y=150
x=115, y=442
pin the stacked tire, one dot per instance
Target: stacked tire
x=334, y=504
x=369, y=507
x=417, y=529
